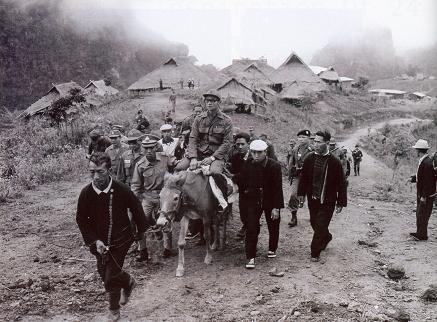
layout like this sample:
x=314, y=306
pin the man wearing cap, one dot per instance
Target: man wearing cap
x=298, y=155
x=98, y=143
x=102, y=217
x=236, y=162
x=270, y=148
x=115, y=150
x=143, y=123
x=322, y=181
x=210, y=140
x=260, y=183
x=334, y=149
x=148, y=181
x=425, y=180
x=357, y=155
x=167, y=142
x=130, y=157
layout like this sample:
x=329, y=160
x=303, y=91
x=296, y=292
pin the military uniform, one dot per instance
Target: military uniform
x=295, y=165
x=127, y=166
x=147, y=183
x=115, y=155
x=210, y=136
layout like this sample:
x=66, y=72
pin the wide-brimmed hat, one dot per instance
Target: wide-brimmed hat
x=421, y=144
x=212, y=93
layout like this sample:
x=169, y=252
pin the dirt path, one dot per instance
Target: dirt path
x=41, y=243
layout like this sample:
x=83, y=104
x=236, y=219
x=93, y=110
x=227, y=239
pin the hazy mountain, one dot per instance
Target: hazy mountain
x=39, y=45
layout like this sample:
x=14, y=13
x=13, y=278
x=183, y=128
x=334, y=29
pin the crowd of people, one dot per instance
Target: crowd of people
x=128, y=172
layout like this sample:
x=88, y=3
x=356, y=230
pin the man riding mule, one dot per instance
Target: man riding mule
x=187, y=195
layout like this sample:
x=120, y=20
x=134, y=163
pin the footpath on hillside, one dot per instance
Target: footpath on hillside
x=49, y=276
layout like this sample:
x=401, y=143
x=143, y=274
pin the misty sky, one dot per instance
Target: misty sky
x=217, y=31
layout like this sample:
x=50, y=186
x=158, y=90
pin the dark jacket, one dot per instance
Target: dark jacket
x=262, y=181
x=335, y=183
x=425, y=178
x=92, y=215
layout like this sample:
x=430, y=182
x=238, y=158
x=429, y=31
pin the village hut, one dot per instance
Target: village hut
x=174, y=73
x=235, y=92
x=390, y=93
x=416, y=96
x=295, y=92
x=100, y=88
x=345, y=83
x=329, y=76
x=294, y=69
x=253, y=76
x=239, y=65
x=317, y=69
x=45, y=102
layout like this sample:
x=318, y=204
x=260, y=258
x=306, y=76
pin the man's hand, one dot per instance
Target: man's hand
x=206, y=161
x=338, y=209
x=301, y=201
x=422, y=199
x=275, y=214
x=101, y=247
x=193, y=164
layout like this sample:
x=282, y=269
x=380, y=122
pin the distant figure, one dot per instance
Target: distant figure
x=357, y=155
x=172, y=100
x=322, y=182
x=425, y=180
x=270, y=148
x=187, y=123
x=98, y=143
x=252, y=134
x=160, y=85
x=143, y=124
x=182, y=83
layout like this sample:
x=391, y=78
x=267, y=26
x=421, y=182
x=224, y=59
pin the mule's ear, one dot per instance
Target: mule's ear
x=167, y=175
x=180, y=178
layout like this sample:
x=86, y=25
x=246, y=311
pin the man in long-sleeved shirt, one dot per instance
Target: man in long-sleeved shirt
x=102, y=217
x=323, y=183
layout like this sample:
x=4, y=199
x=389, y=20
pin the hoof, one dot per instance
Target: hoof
x=180, y=272
x=208, y=259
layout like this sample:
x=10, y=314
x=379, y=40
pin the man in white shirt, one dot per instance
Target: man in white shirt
x=168, y=143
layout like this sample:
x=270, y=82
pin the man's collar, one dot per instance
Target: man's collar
x=106, y=190
x=423, y=157
x=325, y=154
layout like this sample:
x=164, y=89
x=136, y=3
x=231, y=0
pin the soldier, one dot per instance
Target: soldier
x=210, y=141
x=98, y=143
x=270, y=148
x=130, y=157
x=115, y=150
x=102, y=217
x=291, y=146
x=167, y=142
x=334, y=149
x=260, y=181
x=357, y=156
x=143, y=123
x=172, y=100
x=322, y=182
x=187, y=123
x=147, y=183
x=300, y=152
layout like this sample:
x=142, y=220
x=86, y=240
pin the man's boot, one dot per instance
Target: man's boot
x=293, y=221
x=143, y=256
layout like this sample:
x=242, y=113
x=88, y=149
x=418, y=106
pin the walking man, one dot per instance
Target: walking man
x=425, y=180
x=147, y=183
x=172, y=100
x=115, y=150
x=260, y=182
x=323, y=183
x=130, y=157
x=357, y=155
x=297, y=157
x=105, y=226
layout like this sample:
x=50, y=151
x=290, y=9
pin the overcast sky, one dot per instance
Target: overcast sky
x=217, y=31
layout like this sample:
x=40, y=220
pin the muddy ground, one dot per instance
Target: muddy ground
x=47, y=273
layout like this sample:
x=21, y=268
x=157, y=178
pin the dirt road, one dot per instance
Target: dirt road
x=48, y=275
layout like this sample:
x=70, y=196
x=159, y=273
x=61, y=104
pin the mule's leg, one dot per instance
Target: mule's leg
x=207, y=232
x=224, y=220
x=181, y=246
x=216, y=228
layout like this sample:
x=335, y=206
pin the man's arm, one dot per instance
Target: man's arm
x=137, y=184
x=138, y=214
x=83, y=219
x=341, y=184
x=278, y=199
x=304, y=181
x=429, y=181
x=194, y=139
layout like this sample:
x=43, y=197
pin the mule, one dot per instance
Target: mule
x=188, y=195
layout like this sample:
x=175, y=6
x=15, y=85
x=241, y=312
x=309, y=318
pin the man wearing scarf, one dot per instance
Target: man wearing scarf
x=167, y=142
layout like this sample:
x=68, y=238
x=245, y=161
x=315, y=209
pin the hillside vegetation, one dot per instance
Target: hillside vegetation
x=38, y=47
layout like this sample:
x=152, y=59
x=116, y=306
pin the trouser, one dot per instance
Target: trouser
x=216, y=167
x=243, y=211
x=357, y=167
x=110, y=269
x=254, y=212
x=293, y=203
x=423, y=212
x=151, y=209
x=320, y=217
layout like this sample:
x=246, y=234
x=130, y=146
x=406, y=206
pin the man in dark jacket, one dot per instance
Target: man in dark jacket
x=425, y=180
x=102, y=217
x=323, y=183
x=260, y=183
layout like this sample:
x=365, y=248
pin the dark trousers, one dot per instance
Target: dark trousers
x=423, y=212
x=110, y=268
x=320, y=217
x=243, y=212
x=254, y=212
x=357, y=167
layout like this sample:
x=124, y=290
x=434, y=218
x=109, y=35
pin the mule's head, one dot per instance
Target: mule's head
x=170, y=199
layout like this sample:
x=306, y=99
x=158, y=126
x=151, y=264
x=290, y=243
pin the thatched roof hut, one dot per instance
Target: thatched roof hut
x=239, y=65
x=170, y=75
x=317, y=69
x=329, y=76
x=236, y=92
x=100, y=88
x=293, y=70
x=56, y=92
x=253, y=76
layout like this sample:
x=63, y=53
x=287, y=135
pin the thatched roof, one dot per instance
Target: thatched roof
x=254, y=76
x=317, y=69
x=239, y=65
x=171, y=73
x=100, y=88
x=344, y=79
x=386, y=91
x=298, y=90
x=56, y=92
x=236, y=92
x=294, y=69
x=330, y=75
